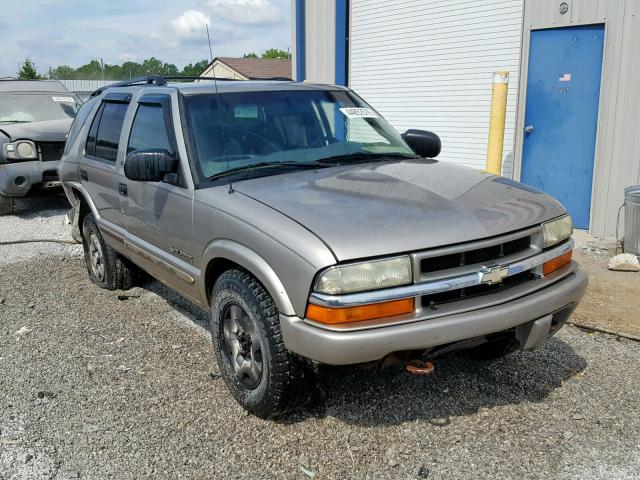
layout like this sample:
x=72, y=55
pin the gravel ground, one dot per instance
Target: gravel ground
x=98, y=384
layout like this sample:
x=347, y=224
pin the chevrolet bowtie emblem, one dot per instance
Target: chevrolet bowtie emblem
x=489, y=276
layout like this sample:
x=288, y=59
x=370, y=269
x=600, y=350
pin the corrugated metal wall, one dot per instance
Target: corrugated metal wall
x=428, y=64
x=320, y=39
x=617, y=160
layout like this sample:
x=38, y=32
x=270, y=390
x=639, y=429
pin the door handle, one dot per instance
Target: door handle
x=84, y=175
x=528, y=129
x=122, y=189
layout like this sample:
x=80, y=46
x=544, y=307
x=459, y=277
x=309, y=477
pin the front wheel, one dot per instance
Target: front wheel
x=7, y=205
x=265, y=378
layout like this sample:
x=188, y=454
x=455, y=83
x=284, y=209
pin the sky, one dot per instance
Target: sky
x=73, y=32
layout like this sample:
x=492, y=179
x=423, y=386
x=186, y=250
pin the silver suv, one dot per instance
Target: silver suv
x=312, y=231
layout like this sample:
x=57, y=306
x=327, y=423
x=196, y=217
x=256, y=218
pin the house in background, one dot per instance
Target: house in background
x=249, y=68
x=573, y=111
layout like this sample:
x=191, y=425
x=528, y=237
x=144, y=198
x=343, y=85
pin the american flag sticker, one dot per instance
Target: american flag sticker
x=565, y=78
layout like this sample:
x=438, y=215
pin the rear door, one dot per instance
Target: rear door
x=98, y=170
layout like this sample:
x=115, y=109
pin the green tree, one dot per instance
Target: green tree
x=90, y=71
x=250, y=55
x=194, y=69
x=63, y=72
x=28, y=71
x=275, y=53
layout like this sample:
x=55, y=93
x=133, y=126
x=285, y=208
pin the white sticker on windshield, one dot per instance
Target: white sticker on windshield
x=64, y=99
x=354, y=112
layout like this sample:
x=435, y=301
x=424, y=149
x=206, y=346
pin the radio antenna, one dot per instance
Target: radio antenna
x=215, y=82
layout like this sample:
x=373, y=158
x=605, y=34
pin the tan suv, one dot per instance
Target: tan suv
x=311, y=230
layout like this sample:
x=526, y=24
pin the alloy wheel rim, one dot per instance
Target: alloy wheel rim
x=96, y=258
x=243, y=347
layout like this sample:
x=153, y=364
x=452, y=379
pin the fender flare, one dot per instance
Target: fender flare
x=72, y=190
x=72, y=187
x=253, y=263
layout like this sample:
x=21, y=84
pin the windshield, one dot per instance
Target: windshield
x=239, y=131
x=37, y=107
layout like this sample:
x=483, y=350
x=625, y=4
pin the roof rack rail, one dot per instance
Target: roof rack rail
x=146, y=80
x=161, y=81
x=203, y=78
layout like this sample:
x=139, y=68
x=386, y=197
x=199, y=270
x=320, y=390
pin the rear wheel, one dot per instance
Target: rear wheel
x=7, y=205
x=260, y=373
x=107, y=268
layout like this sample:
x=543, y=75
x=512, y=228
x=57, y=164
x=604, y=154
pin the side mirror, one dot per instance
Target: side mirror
x=423, y=143
x=149, y=165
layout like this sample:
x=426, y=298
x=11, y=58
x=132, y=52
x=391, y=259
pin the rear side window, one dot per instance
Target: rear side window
x=78, y=123
x=104, y=135
x=149, y=129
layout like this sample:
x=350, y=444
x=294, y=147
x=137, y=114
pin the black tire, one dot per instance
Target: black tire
x=285, y=381
x=7, y=205
x=495, y=348
x=107, y=268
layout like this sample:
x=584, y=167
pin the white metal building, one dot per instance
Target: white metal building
x=428, y=64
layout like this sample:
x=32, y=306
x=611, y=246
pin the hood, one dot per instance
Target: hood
x=49, y=131
x=395, y=207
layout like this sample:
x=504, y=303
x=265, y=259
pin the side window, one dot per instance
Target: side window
x=149, y=129
x=78, y=123
x=104, y=135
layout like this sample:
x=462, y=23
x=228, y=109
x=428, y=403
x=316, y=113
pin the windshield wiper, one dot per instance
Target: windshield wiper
x=15, y=121
x=258, y=166
x=366, y=156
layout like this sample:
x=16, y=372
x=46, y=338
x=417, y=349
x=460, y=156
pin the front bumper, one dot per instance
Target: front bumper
x=357, y=346
x=17, y=179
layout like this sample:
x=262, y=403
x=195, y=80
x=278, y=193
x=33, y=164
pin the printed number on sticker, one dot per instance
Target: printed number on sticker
x=354, y=112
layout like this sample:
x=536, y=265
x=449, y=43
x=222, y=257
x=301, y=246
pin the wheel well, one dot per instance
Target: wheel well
x=84, y=208
x=215, y=268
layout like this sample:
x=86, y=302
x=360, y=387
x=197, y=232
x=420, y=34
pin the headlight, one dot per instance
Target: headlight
x=557, y=230
x=372, y=275
x=20, y=150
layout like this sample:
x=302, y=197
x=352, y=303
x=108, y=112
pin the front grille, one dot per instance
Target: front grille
x=476, y=256
x=50, y=151
x=436, y=300
x=470, y=258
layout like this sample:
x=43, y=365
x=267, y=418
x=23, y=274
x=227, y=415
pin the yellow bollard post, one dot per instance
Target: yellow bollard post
x=496, y=122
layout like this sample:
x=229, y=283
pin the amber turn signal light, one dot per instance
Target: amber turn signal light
x=360, y=313
x=558, y=262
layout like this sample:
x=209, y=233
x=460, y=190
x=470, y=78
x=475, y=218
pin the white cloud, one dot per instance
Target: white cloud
x=190, y=23
x=247, y=12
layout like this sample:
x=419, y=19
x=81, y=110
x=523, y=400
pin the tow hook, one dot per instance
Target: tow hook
x=420, y=367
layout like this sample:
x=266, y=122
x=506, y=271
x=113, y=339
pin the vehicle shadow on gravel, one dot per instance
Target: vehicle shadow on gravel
x=459, y=386
x=42, y=206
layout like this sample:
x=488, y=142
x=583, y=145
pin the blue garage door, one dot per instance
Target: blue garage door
x=561, y=116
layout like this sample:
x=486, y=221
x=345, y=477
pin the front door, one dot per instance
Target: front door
x=158, y=215
x=561, y=116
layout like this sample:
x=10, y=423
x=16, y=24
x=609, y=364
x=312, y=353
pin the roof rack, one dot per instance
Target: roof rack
x=147, y=80
x=161, y=81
